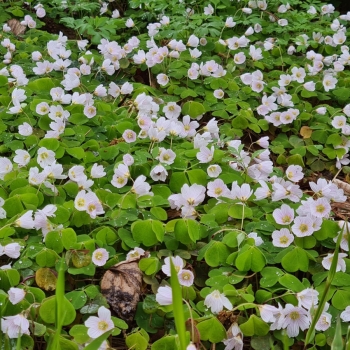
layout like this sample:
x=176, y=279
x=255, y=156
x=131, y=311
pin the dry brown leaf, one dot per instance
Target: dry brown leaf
x=343, y=185
x=305, y=132
x=16, y=27
x=46, y=279
x=121, y=285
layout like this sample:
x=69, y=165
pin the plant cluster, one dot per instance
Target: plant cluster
x=190, y=137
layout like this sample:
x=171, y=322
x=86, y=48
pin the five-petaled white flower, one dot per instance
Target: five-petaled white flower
x=101, y=324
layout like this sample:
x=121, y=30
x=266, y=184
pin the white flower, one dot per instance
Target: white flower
x=234, y=338
x=329, y=82
x=205, y=155
x=258, y=240
x=178, y=264
x=100, y=256
x=345, y=315
x=129, y=23
x=209, y=10
x=16, y=295
x=283, y=215
x=164, y=296
x=219, y=93
x=282, y=22
x=128, y=159
x=214, y=170
x=303, y=226
x=186, y=278
x=295, y=318
x=5, y=167
x=137, y=252
x=26, y=220
x=45, y=157
x=294, y=173
x=217, y=301
x=307, y=298
x=327, y=262
x=25, y=129
x=97, y=171
x=15, y=326
x=101, y=324
x=159, y=173
x=22, y=157
x=282, y=238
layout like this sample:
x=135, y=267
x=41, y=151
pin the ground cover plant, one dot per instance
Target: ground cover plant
x=173, y=175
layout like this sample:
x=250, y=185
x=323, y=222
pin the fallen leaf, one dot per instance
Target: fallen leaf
x=121, y=285
x=305, y=132
x=16, y=27
x=46, y=279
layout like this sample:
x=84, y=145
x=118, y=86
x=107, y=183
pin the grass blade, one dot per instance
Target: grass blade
x=96, y=343
x=178, y=307
x=311, y=331
x=54, y=344
x=337, y=343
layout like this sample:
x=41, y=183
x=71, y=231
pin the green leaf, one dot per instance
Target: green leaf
x=109, y=152
x=46, y=258
x=254, y=326
x=239, y=211
x=181, y=232
x=270, y=276
x=295, y=159
x=136, y=341
x=197, y=176
x=69, y=238
x=165, y=343
x=53, y=241
x=291, y=282
x=79, y=333
x=211, y=330
x=88, y=270
x=216, y=254
x=220, y=212
x=329, y=229
x=47, y=311
x=13, y=206
x=240, y=122
x=7, y=231
x=193, y=109
x=41, y=85
x=142, y=232
x=250, y=258
x=51, y=144
x=77, y=298
x=107, y=235
x=295, y=260
x=149, y=265
x=9, y=278
x=177, y=180
x=159, y=213
x=341, y=299
x=76, y=152
x=193, y=229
